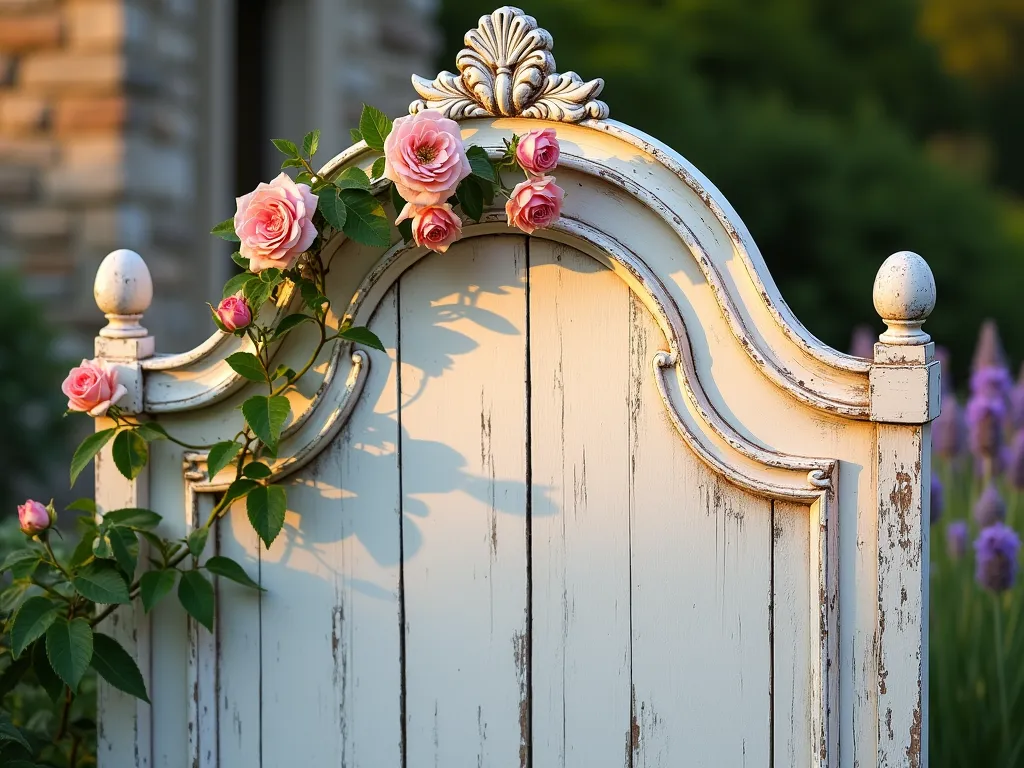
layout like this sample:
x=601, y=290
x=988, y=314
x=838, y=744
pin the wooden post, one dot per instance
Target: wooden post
x=124, y=290
x=904, y=385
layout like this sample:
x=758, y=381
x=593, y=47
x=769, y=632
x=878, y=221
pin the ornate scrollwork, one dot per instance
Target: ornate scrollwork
x=507, y=70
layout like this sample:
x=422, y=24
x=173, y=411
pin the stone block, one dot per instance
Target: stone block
x=30, y=31
x=75, y=115
x=39, y=223
x=26, y=150
x=71, y=71
x=96, y=25
x=84, y=184
x=23, y=112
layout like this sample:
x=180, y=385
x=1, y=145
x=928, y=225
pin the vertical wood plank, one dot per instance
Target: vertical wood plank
x=579, y=352
x=124, y=735
x=331, y=662
x=904, y=461
x=202, y=678
x=701, y=573
x=795, y=635
x=463, y=454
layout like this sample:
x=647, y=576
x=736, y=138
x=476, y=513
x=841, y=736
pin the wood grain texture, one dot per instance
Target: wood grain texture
x=463, y=449
x=579, y=353
x=701, y=582
x=904, y=456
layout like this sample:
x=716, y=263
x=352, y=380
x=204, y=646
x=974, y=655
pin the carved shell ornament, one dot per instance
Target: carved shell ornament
x=507, y=70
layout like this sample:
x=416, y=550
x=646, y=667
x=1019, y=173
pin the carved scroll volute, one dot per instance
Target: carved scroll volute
x=507, y=70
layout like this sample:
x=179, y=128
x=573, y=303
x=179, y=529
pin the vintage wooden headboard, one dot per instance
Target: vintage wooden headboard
x=604, y=501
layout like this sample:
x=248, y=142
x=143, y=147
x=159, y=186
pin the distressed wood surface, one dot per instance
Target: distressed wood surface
x=464, y=495
x=904, y=456
x=702, y=587
x=580, y=458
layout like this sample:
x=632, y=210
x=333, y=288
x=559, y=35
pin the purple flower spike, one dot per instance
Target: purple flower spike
x=937, y=501
x=1017, y=401
x=993, y=382
x=956, y=538
x=949, y=430
x=862, y=343
x=1015, y=463
x=996, y=550
x=985, y=417
x=989, y=351
x=990, y=509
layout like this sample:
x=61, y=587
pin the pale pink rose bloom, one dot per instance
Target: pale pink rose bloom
x=33, y=517
x=435, y=226
x=234, y=313
x=537, y=152
x=534, y=204
x=92, y=388
x=275, y=223
x=426, y=158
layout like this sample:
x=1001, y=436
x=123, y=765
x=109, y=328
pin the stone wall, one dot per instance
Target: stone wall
x=114, y=133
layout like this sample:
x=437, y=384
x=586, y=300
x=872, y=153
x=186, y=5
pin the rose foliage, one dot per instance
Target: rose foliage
x=56, y=598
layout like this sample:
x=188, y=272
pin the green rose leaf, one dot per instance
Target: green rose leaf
x=196, y=596
x=83, y=551
x=125, y=547
x=355, y=135
x=266, y=506
x=256, y=470
x=47, y=678
x=283, y=371
x=240, y=260
x=238, y=283
x=379, y=165
x=197, y=541
x=311, y=142
x=101, y=547
x=229, y=569
x=69, y=649
x=13, y=673
x=247, y=365
x=366, y=221
x=8, y=733
x=471, y=198
x=82, y=505
x=352, y=178
x=330, y=205
x=362, y=335
x=238, y=489
x=87, y=451
x=257, y=292
x=31, y=621
x=133, y=517
x=374, y=126
x=289, y=323
x=481, y=164
x=292, y=162
x=311, y=296
x=405, y=228
x=115, y=665
x=286, y=147
x=154, y=586
x=266, y=416
x=101, y=582
x=130, y=453
x=22, y=560
x=221, y=455
x=226, y=231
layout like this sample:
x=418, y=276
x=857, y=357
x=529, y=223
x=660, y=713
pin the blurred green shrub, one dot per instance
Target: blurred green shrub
x=30, y=378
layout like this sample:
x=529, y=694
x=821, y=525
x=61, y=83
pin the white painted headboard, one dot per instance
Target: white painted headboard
x=604, y=501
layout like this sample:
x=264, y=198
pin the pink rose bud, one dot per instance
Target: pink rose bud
x=537, y=152
x=34, y=517
x=274, y=223
x=433, y=226
x=92, y=388
x=534, y=204
x=426, y=158
x=234, y=313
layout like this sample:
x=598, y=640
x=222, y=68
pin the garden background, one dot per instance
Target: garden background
x=840, y=132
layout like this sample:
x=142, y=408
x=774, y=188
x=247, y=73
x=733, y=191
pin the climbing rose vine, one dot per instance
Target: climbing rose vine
x=57, y=598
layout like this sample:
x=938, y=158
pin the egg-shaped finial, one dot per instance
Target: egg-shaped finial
x=123, y=291
x=904, y=295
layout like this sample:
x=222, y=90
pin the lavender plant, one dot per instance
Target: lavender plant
x=976, y=644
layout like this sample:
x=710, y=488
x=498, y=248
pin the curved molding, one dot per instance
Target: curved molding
x=507, y=70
